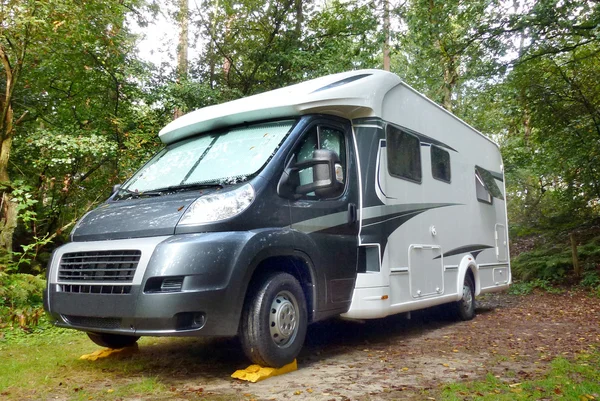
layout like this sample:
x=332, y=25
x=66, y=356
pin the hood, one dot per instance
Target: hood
x=134, y=218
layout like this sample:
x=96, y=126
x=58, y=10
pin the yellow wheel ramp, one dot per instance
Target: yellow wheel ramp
x=256, y=373
x=106, y=352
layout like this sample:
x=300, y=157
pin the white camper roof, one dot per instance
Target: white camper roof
x=352, y=94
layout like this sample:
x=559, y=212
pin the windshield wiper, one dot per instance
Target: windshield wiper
x=122, y=192
x=184, y=187
x=125, y=193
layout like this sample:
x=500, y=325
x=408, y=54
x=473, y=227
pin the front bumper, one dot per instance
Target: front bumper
x=208, y=302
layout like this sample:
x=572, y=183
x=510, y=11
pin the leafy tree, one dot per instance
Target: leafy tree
x=66, y=69
x=448, y=43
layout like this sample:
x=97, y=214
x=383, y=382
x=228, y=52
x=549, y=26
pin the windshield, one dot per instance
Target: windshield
x=223, y=157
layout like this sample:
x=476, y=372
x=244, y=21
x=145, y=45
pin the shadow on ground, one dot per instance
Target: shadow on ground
x=180, y=359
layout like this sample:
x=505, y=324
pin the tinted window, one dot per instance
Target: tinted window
x=481, y=190
x=440, y=164
x=403, y=154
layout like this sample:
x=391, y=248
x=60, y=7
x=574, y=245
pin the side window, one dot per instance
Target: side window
x=440, y=164
x=320, y=137
x=481, y=190
x=403, y=154
x=486, y=187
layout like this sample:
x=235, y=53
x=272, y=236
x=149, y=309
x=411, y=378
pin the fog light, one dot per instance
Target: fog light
x=171, y=284
x=164, y=284
x=190, y=320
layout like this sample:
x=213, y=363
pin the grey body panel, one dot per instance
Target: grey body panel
x=216, y=269
x=134, y=218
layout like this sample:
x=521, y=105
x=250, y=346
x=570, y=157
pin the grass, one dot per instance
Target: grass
x=565, y=380
x=46, y=365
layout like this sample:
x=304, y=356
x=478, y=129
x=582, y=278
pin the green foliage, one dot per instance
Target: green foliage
x=448, y=46
x=577, y=379
x=591, y=279
x=548, y=263
x=21, y=194
x=527, y=287
x=21, y=299
x=552, y=263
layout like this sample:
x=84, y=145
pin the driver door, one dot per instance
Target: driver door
x=327, y=227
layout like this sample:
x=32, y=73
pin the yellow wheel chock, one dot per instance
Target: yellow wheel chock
x=106, y=352
x=256, y=373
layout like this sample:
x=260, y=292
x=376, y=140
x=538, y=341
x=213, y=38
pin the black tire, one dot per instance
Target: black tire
x=465, y=307
x=274, y=321
x=112, y=340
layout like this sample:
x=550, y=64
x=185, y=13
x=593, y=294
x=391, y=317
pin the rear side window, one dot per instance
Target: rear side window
x=485, y=185
x=403, y=154
x=440, y=164
x=483, y=195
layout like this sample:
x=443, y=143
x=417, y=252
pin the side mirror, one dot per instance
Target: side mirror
x=116, y=187
x=328, y=180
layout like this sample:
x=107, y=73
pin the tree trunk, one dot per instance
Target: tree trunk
x=576, y=266
x=182, y=48
x=211, y=45
x=386, y=35
x=8, y=209
x=450, y=80
x=299, y=19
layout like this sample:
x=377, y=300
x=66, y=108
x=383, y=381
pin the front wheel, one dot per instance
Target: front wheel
x=465, y=307
x=274, y=321
x=114, y=341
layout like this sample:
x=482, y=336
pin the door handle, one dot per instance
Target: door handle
x=352, y=214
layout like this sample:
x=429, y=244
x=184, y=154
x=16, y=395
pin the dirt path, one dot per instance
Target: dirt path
x=512, y=337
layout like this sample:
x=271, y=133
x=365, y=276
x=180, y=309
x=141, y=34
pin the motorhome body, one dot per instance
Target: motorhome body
x=350, y=194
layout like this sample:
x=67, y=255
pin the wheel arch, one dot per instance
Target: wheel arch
x=467, y=266
x=288, y=261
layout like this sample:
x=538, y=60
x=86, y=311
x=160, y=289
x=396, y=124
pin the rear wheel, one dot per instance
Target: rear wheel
x=112, y=340
x=274, y=321
x=465, y=307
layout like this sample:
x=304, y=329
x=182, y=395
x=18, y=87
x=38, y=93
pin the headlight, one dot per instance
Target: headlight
x=218, y=206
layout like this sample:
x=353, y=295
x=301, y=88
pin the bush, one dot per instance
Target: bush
x=550, y=264
x=553, y=261
x=526, y=287
x=21, y=300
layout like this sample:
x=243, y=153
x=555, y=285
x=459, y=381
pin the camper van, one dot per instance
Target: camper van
x=349, y=195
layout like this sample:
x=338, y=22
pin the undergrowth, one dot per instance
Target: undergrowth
x=527, y=287
x=551, y=264
x=21, y=303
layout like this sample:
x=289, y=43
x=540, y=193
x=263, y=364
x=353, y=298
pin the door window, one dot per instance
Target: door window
x=320, y=137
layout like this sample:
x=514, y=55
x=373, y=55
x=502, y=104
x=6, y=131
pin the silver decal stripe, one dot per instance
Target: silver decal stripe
x=321, y=223
x=360, y=183
x=368, y=126
x=373, y=212
x=386, y=210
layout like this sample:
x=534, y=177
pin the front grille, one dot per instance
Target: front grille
x=96, y=322
x=95, y=289
x=99, y=266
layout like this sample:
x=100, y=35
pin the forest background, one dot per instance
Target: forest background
x=80, y=109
